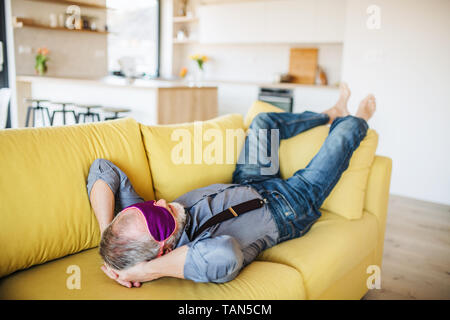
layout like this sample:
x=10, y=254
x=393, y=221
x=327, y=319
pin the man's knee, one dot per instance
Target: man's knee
x=263, y=120
x=353, y=124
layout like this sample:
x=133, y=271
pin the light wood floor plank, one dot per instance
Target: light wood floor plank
x=416, y=258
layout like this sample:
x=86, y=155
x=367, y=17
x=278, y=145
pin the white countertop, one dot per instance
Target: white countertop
x=284, y=85
x=166, y=83
x=118, y=82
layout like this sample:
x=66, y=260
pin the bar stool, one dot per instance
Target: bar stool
x=64, y=111
x=88, y=113
x=116, y=112
x=35, y=109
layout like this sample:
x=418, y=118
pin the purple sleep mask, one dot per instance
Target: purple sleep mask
x=160, y=222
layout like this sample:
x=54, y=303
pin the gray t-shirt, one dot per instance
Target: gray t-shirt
x=221, y=251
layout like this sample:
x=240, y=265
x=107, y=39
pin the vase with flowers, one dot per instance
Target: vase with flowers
x=200, y=60
x=41, y=61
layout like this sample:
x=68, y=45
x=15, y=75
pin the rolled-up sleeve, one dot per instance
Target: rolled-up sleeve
x=117, y=181
x=217, y=259
x=103, y=169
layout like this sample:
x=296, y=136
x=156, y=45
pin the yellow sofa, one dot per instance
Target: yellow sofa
x=49, y=234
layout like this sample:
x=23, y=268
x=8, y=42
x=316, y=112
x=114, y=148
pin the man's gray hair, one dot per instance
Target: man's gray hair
x=120, y=251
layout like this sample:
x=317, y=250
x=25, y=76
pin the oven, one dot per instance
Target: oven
x=281, y=98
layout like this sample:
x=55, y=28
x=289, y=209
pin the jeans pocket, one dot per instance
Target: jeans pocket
x=283, y=204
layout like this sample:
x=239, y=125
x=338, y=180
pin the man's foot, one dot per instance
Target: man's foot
x=344, y=95
x=367, y=107
x=340, y=108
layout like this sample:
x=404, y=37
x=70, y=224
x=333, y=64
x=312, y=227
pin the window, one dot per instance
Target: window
x=133, y=41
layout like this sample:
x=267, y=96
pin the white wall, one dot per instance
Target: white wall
x=406, y=64
x=255, y=62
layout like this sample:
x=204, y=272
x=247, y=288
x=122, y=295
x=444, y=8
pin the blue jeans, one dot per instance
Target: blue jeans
x=295, y=202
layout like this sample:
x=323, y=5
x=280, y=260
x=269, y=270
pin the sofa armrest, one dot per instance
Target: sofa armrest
x=377, y=197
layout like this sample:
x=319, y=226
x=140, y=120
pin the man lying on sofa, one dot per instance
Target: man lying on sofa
x=210, y=234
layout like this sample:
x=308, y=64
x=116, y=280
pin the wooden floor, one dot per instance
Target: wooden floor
x=416, y=260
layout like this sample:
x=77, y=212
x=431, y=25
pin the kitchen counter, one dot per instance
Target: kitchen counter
x=282, y=85
x=114, y=81
x=150, y=101
x=162, y=101
x=169, y=83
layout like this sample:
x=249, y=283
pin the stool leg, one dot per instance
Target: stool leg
x=28, y=116
x=64, y=113
x=43, y=117
x=98, y=117
x=48, y=115
x=52, y=118
x=34, y=117
x=74, y=116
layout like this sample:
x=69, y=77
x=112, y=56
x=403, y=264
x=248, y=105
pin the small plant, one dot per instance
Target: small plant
x=41, y=61
x=200, y=60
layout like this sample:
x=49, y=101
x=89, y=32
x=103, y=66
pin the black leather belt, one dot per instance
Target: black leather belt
x=230, y=213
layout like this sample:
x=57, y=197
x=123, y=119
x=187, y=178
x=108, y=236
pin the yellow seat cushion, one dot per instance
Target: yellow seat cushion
x=47, y=213
x=329, y=251
x=347, y=197
x=188, y=156
x=259, y=280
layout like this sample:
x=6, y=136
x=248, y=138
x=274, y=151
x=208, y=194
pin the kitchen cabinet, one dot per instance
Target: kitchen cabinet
x=281, y=21
x=232, y=22
x=290, y=21
x=329, y=24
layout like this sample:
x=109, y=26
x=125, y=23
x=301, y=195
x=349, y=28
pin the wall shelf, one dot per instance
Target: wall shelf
x=214, y=2
x=68, y=3
x=42, y=26
x=186, y=41
x=184, y=19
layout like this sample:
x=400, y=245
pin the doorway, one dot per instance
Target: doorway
x=4, y=80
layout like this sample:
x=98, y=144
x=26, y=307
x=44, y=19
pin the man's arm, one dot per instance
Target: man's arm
x=217, y=259
x=168, y=265
x=105, y=183
x=102, y=202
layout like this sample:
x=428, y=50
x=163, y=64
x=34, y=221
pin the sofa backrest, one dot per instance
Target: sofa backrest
x=45, y=211
x=187, y=156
